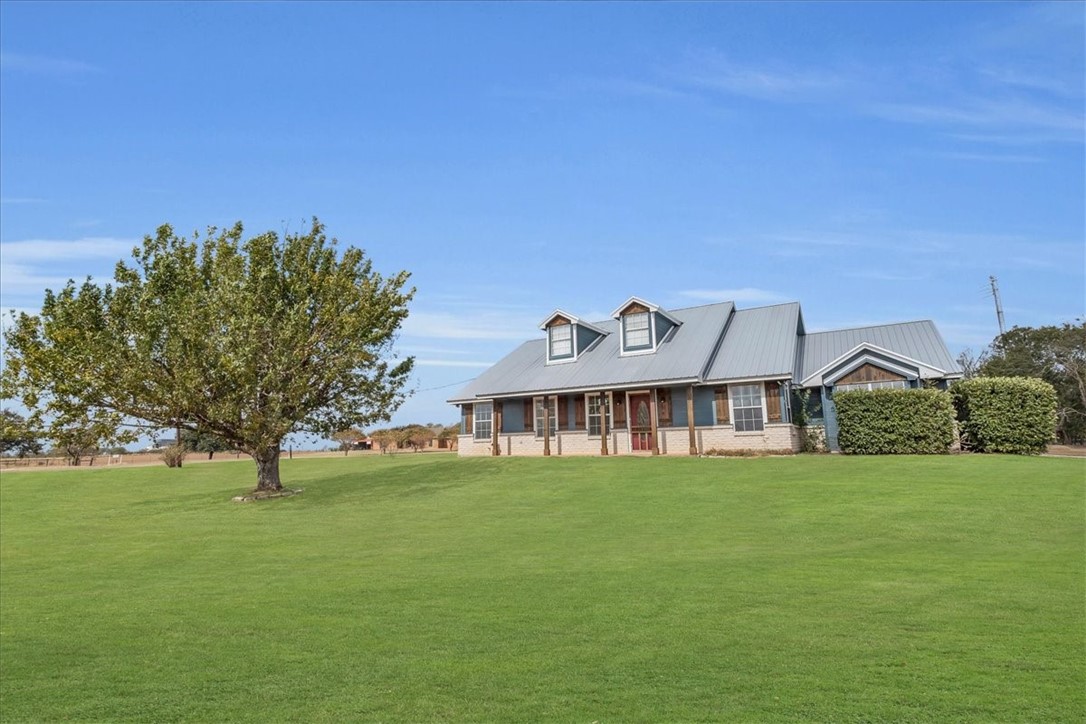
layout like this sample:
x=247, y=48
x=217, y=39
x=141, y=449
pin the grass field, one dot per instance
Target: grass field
x=423, y=587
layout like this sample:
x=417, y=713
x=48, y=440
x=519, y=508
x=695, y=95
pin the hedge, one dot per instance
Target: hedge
x=899, y=422
x=1006, y=414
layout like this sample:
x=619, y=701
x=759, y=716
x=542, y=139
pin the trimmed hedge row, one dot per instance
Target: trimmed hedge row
x=1006, y=414
x=894, y=421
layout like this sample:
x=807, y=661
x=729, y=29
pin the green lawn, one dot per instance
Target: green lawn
x=424, y=587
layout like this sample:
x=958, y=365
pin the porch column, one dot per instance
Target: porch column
x=652, y=422
x=690, y=419
x=604, y=432
x=496, y=427
x=546, y=427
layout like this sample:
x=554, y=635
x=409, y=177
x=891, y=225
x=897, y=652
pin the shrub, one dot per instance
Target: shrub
x=174, y=455
x=745, y=453
x=813, y=439
x=1006, y=414
x=897, y=422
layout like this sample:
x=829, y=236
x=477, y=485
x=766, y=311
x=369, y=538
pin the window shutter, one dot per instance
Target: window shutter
x=469, y=419
x=579, y=412
x=618, y=414
x=773, y=401
x=563, y=412
x=529, y=415
x=720, y=398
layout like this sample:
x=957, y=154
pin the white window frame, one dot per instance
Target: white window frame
x=734, y=393
x=876, y=385
x=562, y=357
x=489, y=421
x=537, y=416
x=650, y=328
x=588, y=415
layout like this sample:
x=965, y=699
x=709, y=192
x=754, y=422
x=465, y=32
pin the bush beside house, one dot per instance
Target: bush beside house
x=1006, y=414
x=894, y=421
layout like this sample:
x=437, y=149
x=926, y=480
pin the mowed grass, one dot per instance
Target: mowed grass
x=425, y=587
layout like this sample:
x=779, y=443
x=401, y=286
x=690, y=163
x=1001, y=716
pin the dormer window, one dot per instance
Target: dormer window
x=644, y=326
x=561, y=340
x=635, y=331
x=568, y=337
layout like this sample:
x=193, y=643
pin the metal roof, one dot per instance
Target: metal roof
x=681, y=356
x=920, y=341
x=764, y=342
x=760, y=342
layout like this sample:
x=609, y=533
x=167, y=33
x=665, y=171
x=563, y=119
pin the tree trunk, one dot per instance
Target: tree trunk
x=267, y=469
x=210, y=454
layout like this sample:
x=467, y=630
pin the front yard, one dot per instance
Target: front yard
x=425, y=587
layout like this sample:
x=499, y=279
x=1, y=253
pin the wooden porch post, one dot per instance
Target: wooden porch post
x=652, y=422
x=496, y=426
x=690, y=419
x=603, y=407
x=546, y=428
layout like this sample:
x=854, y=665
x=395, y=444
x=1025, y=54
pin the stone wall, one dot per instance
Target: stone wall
x=673, y=441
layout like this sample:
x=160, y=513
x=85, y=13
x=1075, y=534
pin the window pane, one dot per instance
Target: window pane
x=747, y=404
x=561, y=340
x=594, y=416
x=552, y=416
x=483, y=417
x=637, y=329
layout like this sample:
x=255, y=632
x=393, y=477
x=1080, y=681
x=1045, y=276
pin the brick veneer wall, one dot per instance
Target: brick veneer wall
x=673, y=441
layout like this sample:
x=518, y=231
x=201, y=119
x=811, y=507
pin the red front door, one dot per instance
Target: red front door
x=640, y=418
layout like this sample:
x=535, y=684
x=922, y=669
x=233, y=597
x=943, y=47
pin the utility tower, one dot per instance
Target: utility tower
x=999, y=306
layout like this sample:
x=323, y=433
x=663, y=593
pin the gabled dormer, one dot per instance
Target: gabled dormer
x=568, y=337
x=642, y=326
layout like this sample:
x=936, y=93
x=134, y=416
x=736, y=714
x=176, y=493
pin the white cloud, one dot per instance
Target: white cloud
x=19, y=200
x=48, y=250
x=744, y=294
x=17, y=279
x=713, y=71
x=44, y=65
x=474, y=325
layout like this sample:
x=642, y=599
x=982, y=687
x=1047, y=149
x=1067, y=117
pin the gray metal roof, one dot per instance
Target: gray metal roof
x=920, y=341
x=681, y=356
x=759, y=342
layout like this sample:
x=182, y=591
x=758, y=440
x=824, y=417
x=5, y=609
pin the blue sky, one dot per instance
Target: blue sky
x=876, y=162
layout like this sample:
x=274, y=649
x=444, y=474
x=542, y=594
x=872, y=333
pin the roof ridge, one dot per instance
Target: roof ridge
x=871, y=326
x=768, y=306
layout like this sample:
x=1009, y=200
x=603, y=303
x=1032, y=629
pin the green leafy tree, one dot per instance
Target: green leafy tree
x=17, y=437
x=81, y=433
x=347, y=438
x=205, y=442
x=246, y=339
x=1054, y=354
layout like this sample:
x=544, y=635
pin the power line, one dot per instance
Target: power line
x=451, y=384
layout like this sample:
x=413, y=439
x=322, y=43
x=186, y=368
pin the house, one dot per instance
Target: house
x=683, y=381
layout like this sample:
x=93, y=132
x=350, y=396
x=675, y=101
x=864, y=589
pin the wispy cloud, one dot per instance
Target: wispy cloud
x=743, y=294
x=713, y=71
x=39, y=250
x=18, y=279
x=477, y=325
x=1005, y=113
x=882, y=276
x=20, y=200
x=988, y=157
x=44, y=65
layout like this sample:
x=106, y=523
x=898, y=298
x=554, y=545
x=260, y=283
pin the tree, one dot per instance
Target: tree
x=249, y=340
x=1054, y=354
x=200, y=441
x=384, y=439
x=347, y=438
x=81, y=433
x=450, y=434
x=417, y=436
x=17, y=437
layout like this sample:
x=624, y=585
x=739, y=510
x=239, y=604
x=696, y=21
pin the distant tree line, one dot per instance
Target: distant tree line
x=1055, y=354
